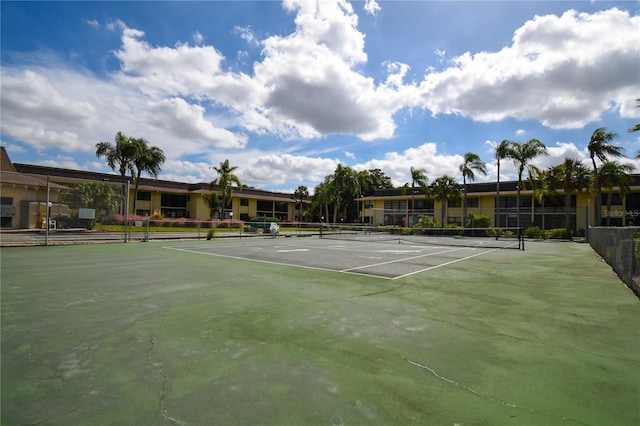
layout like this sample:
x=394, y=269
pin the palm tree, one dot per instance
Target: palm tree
x=379, y=180
x=345, y=188
x=119, y=156
x=445, y=188
x=636, y=128
x=614, y=174
x=570, y=177
x=419, y=177
x=522, y=154
x=502, y=152
x=300, y=194
x=224, y=182
x=147, y=159
x=600, y=148
x=471, y=164
x=322, y=197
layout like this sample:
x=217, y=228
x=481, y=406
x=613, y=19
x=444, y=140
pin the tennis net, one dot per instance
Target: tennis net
x=503, y=238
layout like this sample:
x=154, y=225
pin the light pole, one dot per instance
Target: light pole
x=230, y=219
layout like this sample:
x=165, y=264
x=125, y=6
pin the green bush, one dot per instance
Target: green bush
x=211, y=233
x=427, y=222
x=533, y=232
x=478, y=221
x=558, y=233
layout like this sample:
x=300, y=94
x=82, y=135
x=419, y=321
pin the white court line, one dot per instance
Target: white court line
x=445, y=264
x=399, y=260
x=345, y=271
x=269, y=262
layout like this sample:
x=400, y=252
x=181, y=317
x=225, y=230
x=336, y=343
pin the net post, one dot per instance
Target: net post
x=321, y=225
x=521, y=238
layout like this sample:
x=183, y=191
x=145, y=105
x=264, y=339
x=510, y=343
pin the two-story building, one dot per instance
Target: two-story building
x=24, y=192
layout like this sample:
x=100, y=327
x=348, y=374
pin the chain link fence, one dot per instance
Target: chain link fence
x=620, y=248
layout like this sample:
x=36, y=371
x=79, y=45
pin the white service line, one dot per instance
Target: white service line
x=277, y=263
x=444, y=264
x=399, y=260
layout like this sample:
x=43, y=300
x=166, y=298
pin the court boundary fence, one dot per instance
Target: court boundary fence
x=620, y=248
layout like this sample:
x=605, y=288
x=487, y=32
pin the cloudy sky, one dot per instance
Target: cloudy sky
x=288, y=90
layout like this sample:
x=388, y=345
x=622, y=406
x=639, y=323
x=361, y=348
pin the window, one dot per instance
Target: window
x=633, y=202
x=395, y=205
x=263, y=205
x=423, y=204
x=473, y=202
x=144, y=196
x=282, y=207
x=174, y=205
x=455, y=203
x=244, y=202
x=454, y=220
x=615, y=199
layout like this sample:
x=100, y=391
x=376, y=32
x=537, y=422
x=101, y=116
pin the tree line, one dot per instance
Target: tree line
x=335, y=197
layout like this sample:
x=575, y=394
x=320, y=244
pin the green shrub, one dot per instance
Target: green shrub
x=427, y=222
x=558, y=233
x=533, y=232
x=211, y=233
x=478, y=221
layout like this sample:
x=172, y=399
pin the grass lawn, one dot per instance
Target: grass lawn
x=138, y=334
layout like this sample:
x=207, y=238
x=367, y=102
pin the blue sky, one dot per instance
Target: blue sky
x=288, y=90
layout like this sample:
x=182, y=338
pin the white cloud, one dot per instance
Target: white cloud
x=314, y=89
x=198, y=38
x=563, y=71
x=279, y=169
x=183, y=70
x=188, y=122
x=371, y=7
x=247, y=35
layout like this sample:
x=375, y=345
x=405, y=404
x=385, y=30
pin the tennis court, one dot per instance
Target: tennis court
x=377, y=255
x=303, y=330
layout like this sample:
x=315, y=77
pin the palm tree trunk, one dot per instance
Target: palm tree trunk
x=497, y=209
x=598, y=200
x=567, y=205
x=609, y=200
x=464, y=202
x=135, y=193
x=413, y=205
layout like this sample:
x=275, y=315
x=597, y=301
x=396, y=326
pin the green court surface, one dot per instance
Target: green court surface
x=285, y=332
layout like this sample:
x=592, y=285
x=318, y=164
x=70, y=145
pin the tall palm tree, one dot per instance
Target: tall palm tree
x=600, y=148
x=445, y=188
x=379, y=180
x=418, y=177
x=501, y=152
x=345, y=187
x=224, y=182
x=636, y=128
x=118, y=156
x=147, y=159
x=471, y=164
x=322, y=197
x=612, y=175
x=300, y=194
x=570, y=176
x=522, y=154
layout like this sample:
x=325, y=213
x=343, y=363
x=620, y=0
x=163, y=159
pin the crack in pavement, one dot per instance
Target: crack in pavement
x=485, y=397
x=165, y=379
